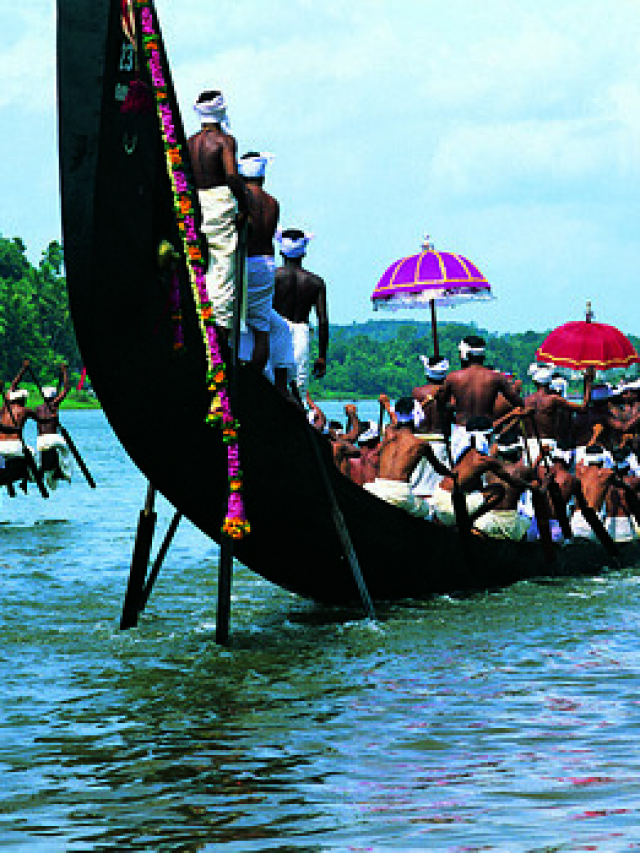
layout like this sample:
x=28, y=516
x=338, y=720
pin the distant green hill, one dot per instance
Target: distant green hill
x=366, y=359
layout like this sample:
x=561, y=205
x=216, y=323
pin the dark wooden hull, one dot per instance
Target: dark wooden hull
x=116, y=207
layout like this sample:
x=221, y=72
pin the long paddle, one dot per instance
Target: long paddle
x=65, y=434
x=540, y=508
x=28, y=455
x=592, y=519
x=341, y=526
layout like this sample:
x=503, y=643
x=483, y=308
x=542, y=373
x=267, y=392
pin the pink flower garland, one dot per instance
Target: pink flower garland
x=235, y=523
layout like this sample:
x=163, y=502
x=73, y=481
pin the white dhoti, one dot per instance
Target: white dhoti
x=580, y=527
x=11, y=449
x=581, y=454
x=398, y=494
x=621, y=528
x=504, y=524
x=280, y=347
x=441, y=503
x=261, y=277
x=535, y=448
x=425, y=478
x=219, y=208
x=300, y=335
x=56, y=443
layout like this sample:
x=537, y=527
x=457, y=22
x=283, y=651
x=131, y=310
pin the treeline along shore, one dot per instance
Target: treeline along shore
x=364, y=359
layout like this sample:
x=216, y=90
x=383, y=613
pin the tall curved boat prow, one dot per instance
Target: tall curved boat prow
x=117, y=208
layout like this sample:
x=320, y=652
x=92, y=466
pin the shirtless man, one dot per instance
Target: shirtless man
x=598, y=423
x=264, y=212
x=297, y=292
x=400, y=452
x=13, y=416
x=471, y=462
x=474, y=388
x=547, y=408
x=221, y=195
x=561, y=458
x=434, y=426
x=54, y=453
x=595, y=481
x=620, y=521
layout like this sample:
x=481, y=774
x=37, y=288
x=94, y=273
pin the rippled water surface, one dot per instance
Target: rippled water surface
x=507, y=721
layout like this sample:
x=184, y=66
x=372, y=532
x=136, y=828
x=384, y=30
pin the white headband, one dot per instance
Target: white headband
x=213, y=111
x=435, y=371
x=293, y=247
x=20, y=394
x=507, y=448
x=542, y=375
x=594, y=458
x=49, y=391
x=565, y=456
x=465, y=350
x=371, y=433
x=559, y=385
x=254, y=167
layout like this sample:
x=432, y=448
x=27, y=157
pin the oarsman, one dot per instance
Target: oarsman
x=264, y=212
x=502, y=406
x=595, y=480
x=400, y=452
x=368, y=464
x=503, y=520
x=619, y=520
x=598, y=424
x=547, y=407
x=13, y=416
x=471, y=462
x=561, y=462
x=221, y=194
x=297, y=292
x=343, y=441
x=474, y=388
x=55, y=457
x=317, y=417
x=434, y=425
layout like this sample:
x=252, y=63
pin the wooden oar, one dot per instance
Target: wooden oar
x=28, y=455
x=540, y=508
x=341, y=526
x=559, y=506
x=594, y=522
x=65, y=434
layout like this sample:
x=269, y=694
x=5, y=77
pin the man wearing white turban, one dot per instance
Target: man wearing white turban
x=431, y=427
x=264, y=212
x=553, y=414
x=13, y=416
x=298, y=291
x=55, y=456
x=221, y=195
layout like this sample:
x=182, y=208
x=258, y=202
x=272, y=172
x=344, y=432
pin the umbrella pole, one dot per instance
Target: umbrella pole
x=434, y=329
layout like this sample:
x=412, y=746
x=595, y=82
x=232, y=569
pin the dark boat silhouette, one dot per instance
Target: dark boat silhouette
x=117, y=208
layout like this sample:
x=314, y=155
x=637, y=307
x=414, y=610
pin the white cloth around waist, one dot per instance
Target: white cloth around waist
x=50, y=441
x=398, y=493
x=11, y=449
x=261, y=273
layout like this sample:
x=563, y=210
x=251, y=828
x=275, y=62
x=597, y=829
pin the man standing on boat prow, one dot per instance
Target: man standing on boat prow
x=474, y=388
x=264, y=212
x=221, y=195
x=13, y=416
x=298, y=291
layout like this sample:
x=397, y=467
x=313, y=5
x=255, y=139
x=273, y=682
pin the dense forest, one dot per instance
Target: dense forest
x=34, y=312
x=364, y=358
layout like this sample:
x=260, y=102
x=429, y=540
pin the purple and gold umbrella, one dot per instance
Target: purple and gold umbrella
x=428, y=279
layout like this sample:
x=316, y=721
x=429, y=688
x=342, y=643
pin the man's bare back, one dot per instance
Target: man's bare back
x=474, y=390
x=264, y=212
x=297, y=291
x=213, y=157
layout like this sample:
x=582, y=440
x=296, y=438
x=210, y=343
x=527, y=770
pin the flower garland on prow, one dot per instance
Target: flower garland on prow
x=235, y=523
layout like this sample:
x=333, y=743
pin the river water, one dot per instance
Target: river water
x=505, y=721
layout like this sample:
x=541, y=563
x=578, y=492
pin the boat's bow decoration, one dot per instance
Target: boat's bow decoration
x=185, y=205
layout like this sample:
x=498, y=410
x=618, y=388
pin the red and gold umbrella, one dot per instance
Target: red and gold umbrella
x=585, y=345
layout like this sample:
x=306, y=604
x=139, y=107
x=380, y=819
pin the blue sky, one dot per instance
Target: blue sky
x=510, y=132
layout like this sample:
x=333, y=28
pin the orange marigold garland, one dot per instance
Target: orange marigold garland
x=235, y=523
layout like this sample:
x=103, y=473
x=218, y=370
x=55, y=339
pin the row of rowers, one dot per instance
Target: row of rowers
x=277, y=302
x=473, y=426
x=16, y=457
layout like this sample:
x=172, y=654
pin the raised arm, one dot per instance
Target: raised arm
x=21, y=372
x=319, y=417
x=384, y=401
x=354, y=425
x=66, y=386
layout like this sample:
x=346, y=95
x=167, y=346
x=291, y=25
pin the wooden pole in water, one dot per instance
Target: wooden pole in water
x=139, y=562
x=225, y=568
x=157, y=564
